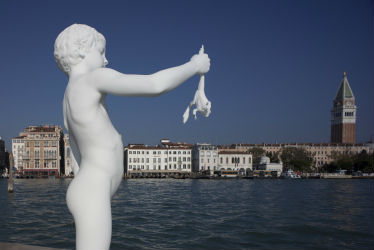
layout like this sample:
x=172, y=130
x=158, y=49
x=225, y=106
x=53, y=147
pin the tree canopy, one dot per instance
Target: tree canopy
x=297, y=159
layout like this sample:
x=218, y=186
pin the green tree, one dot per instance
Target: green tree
x=274, y=157
x=256, y=154
x=363, y=162
x=297, y=159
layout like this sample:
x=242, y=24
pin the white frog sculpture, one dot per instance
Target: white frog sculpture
x=200, y=100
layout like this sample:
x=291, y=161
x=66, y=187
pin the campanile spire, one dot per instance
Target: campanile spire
x=343, y=114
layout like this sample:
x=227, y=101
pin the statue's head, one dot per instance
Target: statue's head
x=74, y=43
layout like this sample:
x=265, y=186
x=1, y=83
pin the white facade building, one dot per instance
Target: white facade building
x=265, y=164
x=234, y=160
x=17, y=151
x=168, y=158
x=205, y=158
x=67, y=158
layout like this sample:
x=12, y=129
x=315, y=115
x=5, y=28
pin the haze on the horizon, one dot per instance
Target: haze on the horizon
x=276, y=65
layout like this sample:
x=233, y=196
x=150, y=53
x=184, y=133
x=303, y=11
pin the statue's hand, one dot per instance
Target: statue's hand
x=202, y=63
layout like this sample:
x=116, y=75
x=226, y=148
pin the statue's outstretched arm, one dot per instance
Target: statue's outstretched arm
x=112, y=82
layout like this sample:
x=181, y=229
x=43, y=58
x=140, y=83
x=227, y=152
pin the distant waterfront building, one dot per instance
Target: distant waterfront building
x=234, y=160
x=165, y=159
x=343, y=114
x=2, y=154
x=67, y=158
x=43, y=151
x=17, y=150
x=205, y=158
x=322, y=153
x=266, y=165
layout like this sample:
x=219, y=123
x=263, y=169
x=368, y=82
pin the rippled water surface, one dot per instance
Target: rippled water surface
x=202, y=214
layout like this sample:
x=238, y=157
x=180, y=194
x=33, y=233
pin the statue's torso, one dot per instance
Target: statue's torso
x=87, y=121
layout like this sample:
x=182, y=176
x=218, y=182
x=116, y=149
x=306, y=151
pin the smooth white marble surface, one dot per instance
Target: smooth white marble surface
x=96, y=145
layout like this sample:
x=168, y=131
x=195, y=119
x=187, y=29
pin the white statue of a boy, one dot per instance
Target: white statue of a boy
x=96, y=145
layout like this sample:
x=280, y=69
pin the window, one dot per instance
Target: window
x=45, y=144
x=188, y=158
x=54, y=143
x=159, y=160
x=37, y=164
x=45, y=165
x=130, y=152
x=37, y=154
x=53, y=164
x=243, y=160
x=221, y=160
x=130, y=160
x=37, y=143
x=147, y=160
x=202, y=160
x=154, y=160
x=166, y=160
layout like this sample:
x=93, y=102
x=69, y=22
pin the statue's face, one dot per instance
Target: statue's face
x=95, y=59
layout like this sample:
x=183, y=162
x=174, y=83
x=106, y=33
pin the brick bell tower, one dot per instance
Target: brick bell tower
x=343, y=115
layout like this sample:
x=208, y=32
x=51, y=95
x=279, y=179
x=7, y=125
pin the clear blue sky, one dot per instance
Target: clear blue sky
x=275, y=65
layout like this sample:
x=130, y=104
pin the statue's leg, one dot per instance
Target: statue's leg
x=88, y=199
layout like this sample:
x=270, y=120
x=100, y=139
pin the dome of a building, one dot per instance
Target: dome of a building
x=264, y=160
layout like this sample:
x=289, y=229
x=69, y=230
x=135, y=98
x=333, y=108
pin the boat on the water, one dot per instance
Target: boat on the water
x=289, y=174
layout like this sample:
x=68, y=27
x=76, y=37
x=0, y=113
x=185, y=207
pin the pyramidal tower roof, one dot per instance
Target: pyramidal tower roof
x=345, y=90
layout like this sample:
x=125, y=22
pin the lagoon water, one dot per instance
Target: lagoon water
x=202, y=214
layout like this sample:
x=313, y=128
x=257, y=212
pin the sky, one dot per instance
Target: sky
x=276, y=66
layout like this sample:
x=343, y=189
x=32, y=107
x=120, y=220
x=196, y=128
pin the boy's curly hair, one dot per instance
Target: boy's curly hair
x=74, y=43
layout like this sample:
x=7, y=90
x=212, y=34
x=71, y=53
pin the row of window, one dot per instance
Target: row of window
x=48, y=154
x=339, y=114
x=41, y=135
x=17, y=141
x=155, y=160
x=208, y=160
x=159, y=152
x=171, y=167
x=45, y=143
x=208, y=154
x=36, y=164
x=235, y=160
